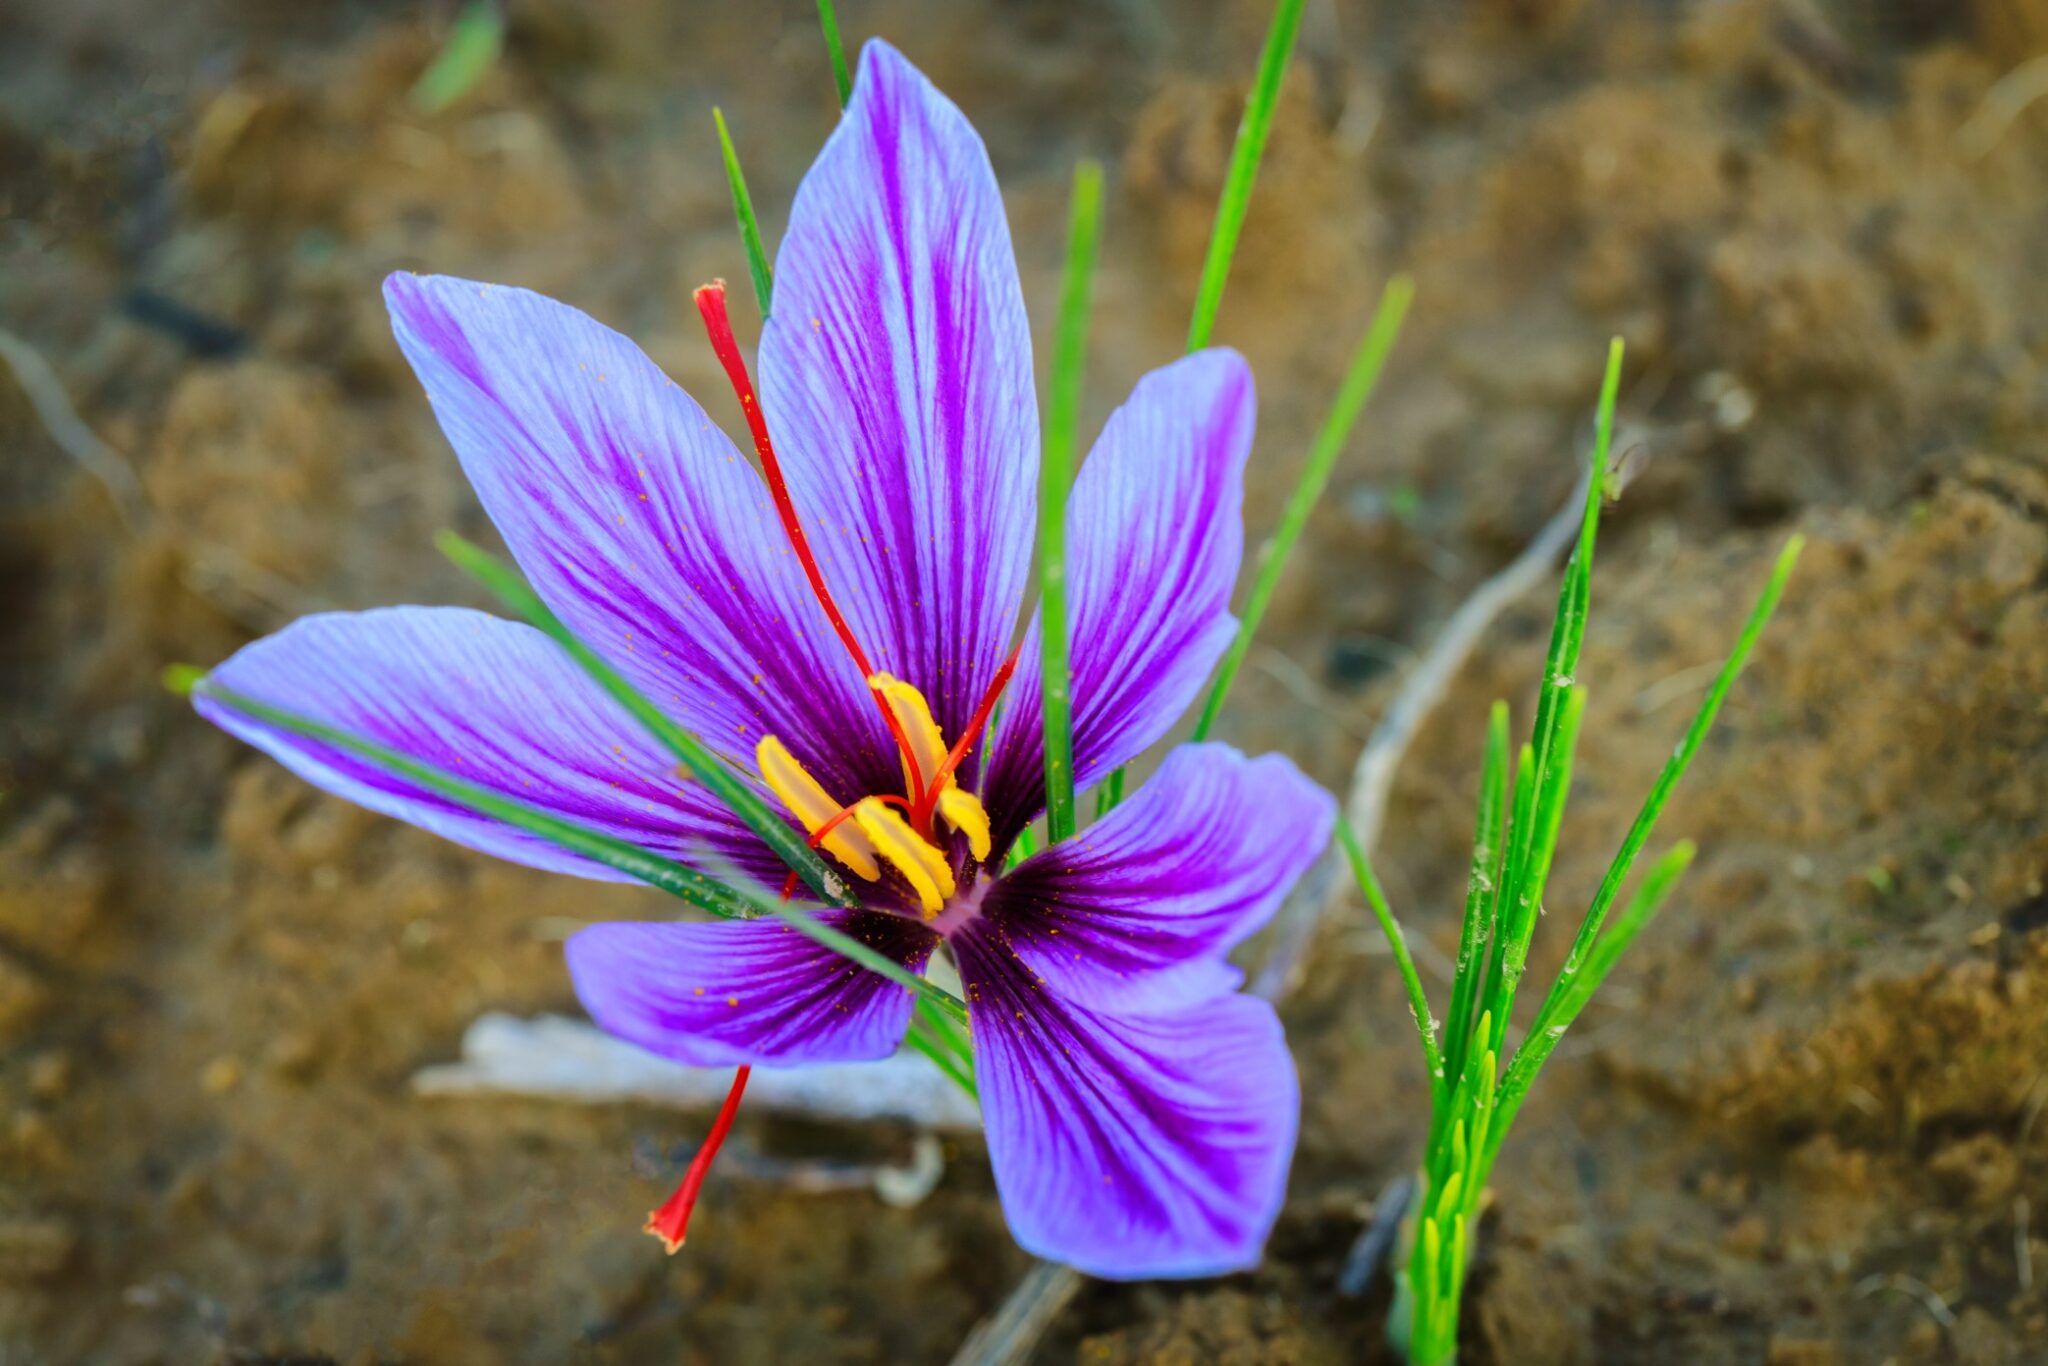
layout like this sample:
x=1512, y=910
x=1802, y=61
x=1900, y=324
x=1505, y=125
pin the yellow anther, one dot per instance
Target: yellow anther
x=924, y=867
x=963, y=811
x=812, y=805
x=914, y=714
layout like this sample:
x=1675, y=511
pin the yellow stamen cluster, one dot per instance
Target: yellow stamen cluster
x=877, y=831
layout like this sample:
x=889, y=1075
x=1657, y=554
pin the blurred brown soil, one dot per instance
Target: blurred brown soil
x=1803, y=1124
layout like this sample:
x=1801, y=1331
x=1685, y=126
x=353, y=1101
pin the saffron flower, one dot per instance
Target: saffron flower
x=841, y=631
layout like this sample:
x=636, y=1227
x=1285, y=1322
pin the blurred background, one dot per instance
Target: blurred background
x=1803, y=1123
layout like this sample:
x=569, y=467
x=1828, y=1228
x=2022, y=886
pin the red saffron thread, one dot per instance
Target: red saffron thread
x=975, y=724
x=672, y=1220
x=711, y=305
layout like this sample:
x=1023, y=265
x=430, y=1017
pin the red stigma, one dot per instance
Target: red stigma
x=672, y=1220
x=711, y=304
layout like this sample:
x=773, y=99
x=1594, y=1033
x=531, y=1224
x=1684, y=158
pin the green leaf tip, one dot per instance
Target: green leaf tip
x=473, y=45
x=1245, y=155
x=743, y=213
x=183, y=679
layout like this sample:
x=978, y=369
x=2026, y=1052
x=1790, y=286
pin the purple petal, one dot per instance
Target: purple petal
x=1130, y=1145
x=492, y=701
x=747, y=991
x=1155, y=536
x=1138, y=911
x=896, y=376
x=638, y=523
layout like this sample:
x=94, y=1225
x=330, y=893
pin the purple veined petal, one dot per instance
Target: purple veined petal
x=1138, y=910
x=639, y=523
x=1155, y=535
x=755, y=991
x=1130, y=1145
x=495, y=702
x=896, y=378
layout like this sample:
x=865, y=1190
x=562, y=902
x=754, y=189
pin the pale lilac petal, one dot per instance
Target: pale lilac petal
x=639, y=523
x=896, y=378
x=1130, y=1145
x=758, y=992
x=1138, y=910
x=492, y=701
x=1155, y=536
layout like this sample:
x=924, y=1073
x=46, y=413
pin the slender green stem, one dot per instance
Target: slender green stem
x=1359, y=380
x=685, y=883
x=1244, y=169
x=718, y=778
x=1056, y=477
x=1418, y=1000
x=829, y=22
x=743, y=211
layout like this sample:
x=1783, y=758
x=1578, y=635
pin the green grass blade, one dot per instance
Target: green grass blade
x=1571, y=992
x=1476, y=933
x=1056, y=478
x=920, y=1038
x=1674, y=769
x=707, y=768
x=675, y=879
x=846, y=946
x=1519, y=912
x=472, y=47
x=1359, y=380
x=1252, y=131
x=829, y=22
x=1418, y=1000
x=743, y=211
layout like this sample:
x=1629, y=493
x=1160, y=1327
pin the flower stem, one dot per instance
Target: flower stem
x=1056, y=478
x=1359, y=380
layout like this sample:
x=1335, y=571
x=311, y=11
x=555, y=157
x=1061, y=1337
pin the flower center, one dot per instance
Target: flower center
x=866, y=833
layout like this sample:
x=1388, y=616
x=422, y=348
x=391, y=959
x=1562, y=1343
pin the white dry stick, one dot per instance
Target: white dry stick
x=2001, y=108
x=1009, y=1336
x=552, y=1057
x=46, y=395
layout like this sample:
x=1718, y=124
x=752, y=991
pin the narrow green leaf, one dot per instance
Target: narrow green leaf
x=673, y=878
x=1252, y=131
x=801, y=920
x=1488, y=848
x=1674, y=769
x=921, y=1038
x=707, y=768
x=1418, y=1000
x=743, y=211
x=829, y=22
x=1571, y=992
x=1359, y=380
x=473, y=44
x=1518, y=916
x=1056, y=477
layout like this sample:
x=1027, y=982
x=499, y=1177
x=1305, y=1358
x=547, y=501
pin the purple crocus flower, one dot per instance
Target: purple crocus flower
x=1140, y=1110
